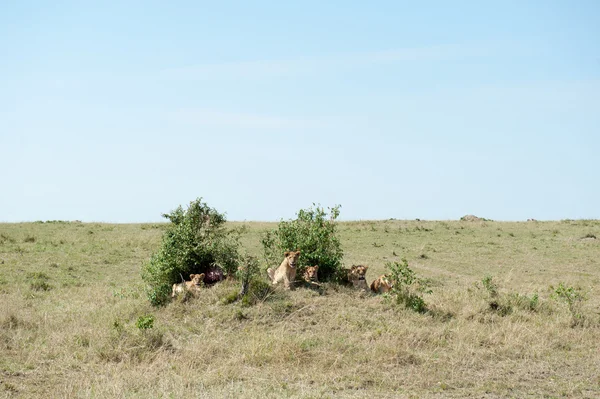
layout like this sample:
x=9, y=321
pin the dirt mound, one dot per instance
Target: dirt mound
x=589, y=237
x=471, y=218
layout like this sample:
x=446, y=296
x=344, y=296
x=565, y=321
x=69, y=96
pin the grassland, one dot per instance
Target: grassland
x=71, y=296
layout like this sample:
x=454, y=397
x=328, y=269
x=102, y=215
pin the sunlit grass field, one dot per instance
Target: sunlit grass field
x=72, y=302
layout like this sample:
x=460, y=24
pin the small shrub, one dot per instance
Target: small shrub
x=504, y=303
x=407, y=287
x=39, y=281
x=29, y=239
x=230, y=297
x=533, y=302
x=496, y=303
x=125, y=344
x=6, y=238
x=574, y=298
x=145, y=322
x=490, y=286
x=195, y=240
x=314, y=233
x=253, y=288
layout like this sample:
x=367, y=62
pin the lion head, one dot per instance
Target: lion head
x=197, y=279
x=310, y=274
x=358, y=272
x=292, y=257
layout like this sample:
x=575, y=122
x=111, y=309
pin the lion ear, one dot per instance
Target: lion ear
x=192, y=276
x=201, y=276
x=366, y=267
x=286, y=253
x=316, y=267
x=298, y=251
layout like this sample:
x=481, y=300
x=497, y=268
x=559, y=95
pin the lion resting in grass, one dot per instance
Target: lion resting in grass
x=310, y=274
x=286, y=272
x=193, y=286
x=357, y=276
x=382, y=284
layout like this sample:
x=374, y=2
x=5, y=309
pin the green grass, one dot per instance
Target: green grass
x=74, y=320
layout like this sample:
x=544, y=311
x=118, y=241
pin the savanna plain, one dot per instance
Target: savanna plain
x=75, y=321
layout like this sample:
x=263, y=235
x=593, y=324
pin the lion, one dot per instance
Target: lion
x=286, y=272
x=382, y=284
x=310, y=274
x=357, y=275
x=193, y=286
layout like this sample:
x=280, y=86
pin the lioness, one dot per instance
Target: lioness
x=357, y=276
x=310, y=274
x=382, y=284
x=194, y=285
x=286, y=272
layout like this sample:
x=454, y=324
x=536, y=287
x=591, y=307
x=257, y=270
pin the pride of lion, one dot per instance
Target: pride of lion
x=286, y=274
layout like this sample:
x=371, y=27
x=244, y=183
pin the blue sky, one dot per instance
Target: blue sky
x=121, y=111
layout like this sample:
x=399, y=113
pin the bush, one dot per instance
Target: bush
x=195, y=240
x=145, y=322
x=574, y=298
x=39, y=281
x=313, y=232
x=504, y=303
x=253, y=288
x=407, y=287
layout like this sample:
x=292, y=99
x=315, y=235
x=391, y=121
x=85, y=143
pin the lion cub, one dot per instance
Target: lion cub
x=310, y=274
x=357, y=277
x=193, y=286
x=286, y=272
x=382, y=284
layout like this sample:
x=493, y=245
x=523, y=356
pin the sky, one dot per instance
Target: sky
x=120, y=111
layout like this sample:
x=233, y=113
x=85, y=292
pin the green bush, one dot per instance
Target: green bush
x=145, y=322
x=194, y=240
x=254, y=288
x=407, y=287
x=503, y=303
x=574, y=298
x=314, y=233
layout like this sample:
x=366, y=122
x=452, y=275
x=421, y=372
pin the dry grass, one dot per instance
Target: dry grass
x=70, y=297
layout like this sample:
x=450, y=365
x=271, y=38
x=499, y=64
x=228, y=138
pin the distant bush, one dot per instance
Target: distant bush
x=314, y=233
x=407, y=288
x=195, y=240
